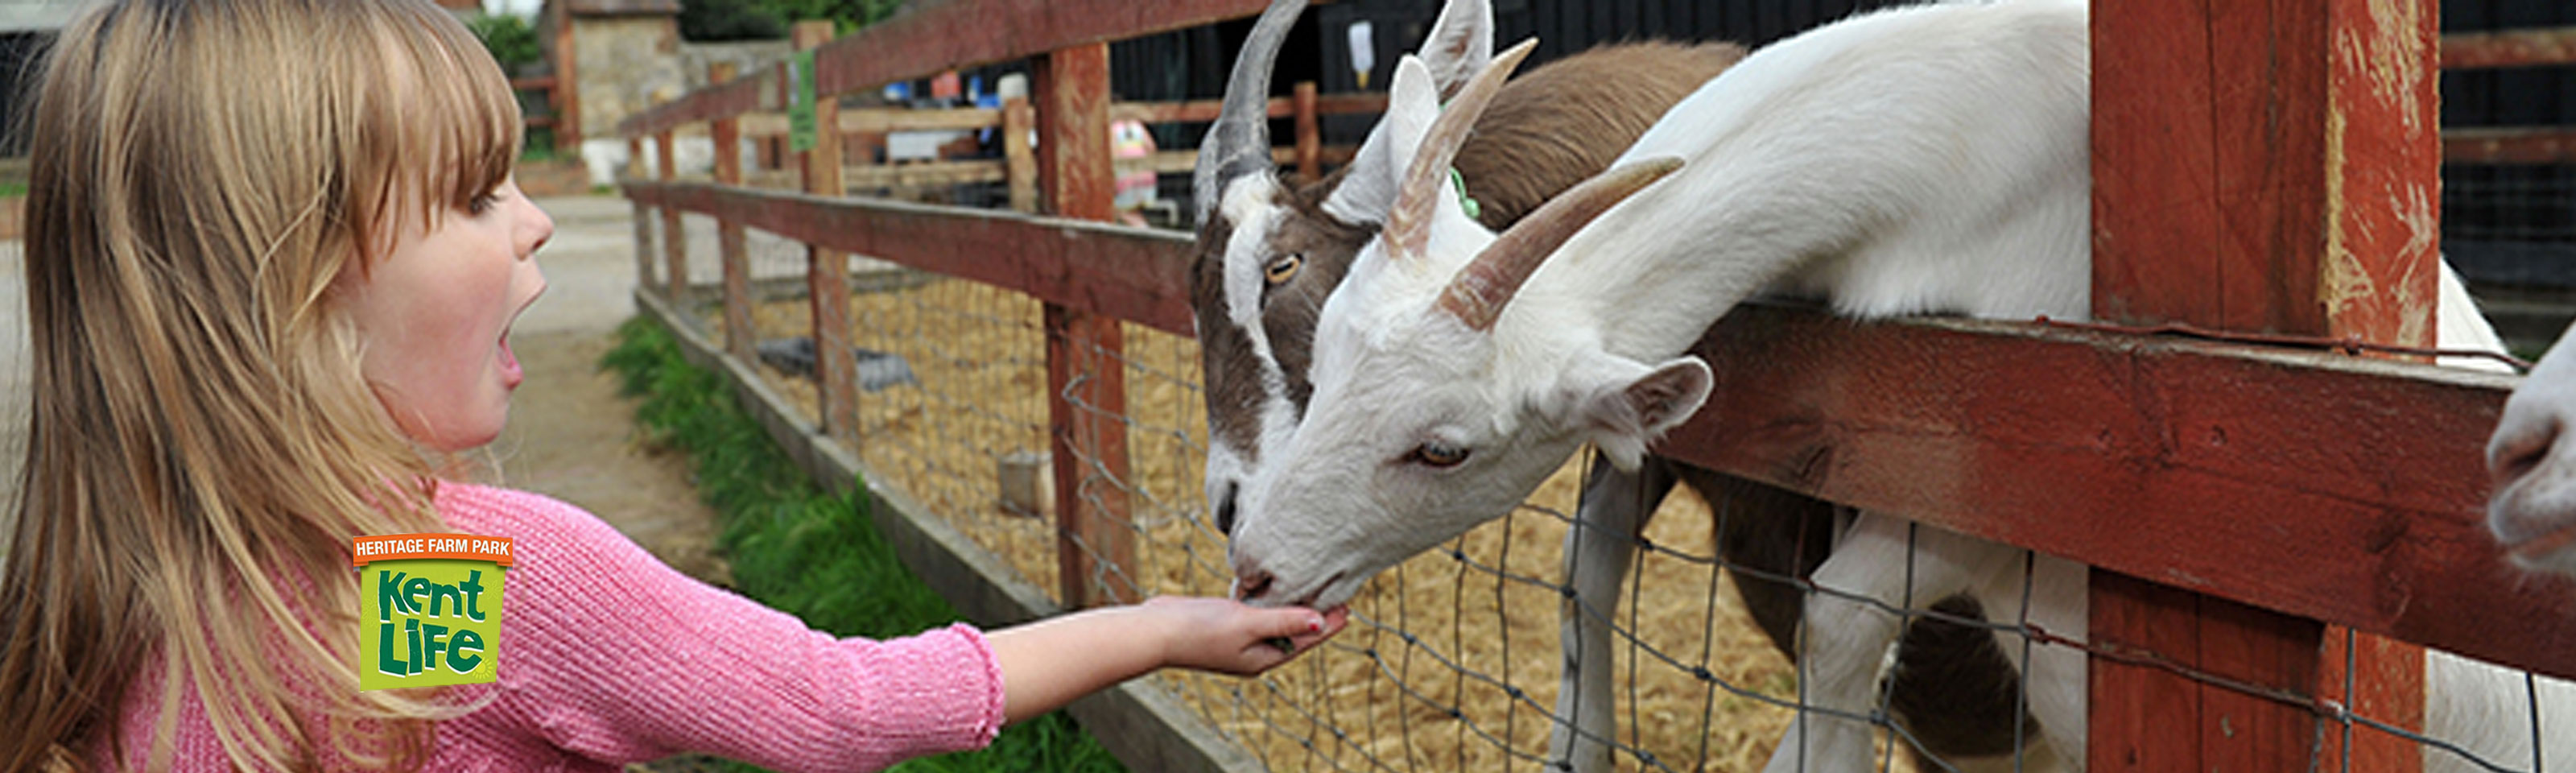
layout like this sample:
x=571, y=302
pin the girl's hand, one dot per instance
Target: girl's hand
x=1050, y=662
x=1230, y=637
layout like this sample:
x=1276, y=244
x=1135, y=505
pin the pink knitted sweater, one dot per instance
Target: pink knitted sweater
x=607, y=657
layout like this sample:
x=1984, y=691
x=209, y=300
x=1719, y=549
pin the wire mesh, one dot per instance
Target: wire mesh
x=1453, y=658
x=2511, y=226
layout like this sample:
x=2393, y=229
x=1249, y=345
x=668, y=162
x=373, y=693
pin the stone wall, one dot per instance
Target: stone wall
x=623, y=64
x=628, y=63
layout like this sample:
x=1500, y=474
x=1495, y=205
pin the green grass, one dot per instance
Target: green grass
x=539, y=147
x=10, y=190
x=812, y=554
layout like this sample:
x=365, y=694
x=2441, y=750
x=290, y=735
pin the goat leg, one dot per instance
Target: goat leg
x=1848, y=641
x=1597, y=554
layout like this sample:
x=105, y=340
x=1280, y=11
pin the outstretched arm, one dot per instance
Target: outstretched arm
x=1048, y=663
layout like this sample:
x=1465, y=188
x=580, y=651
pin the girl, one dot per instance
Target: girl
x=273, y=256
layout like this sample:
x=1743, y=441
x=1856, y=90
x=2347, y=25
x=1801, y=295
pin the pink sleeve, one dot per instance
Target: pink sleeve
x=612, y=655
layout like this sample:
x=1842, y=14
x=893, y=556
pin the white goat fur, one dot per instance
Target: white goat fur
x=1928, y=159
x=2534, y=510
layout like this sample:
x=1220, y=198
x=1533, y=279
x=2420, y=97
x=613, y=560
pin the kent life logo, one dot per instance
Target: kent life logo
x=433, y=608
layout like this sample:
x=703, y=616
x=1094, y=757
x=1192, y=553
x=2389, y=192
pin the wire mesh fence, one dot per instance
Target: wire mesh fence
x=1453, y=659
x=2512, y=226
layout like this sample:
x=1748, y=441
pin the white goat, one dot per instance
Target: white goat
x=2534, y=510
x=1925, y=159
x=1271, y=254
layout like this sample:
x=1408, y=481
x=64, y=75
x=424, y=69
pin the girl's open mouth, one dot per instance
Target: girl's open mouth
x=510, y=374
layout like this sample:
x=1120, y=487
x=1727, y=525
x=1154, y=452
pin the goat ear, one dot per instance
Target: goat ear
x=1368, y=191
x=1460, y=44
x=1624, y=415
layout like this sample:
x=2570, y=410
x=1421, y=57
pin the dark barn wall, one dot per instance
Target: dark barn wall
x=1562, y=27
x=2502, y=225
x=2510, y=226
x=1192, y=64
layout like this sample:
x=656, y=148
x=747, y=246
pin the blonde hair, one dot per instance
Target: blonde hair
x=201, y=444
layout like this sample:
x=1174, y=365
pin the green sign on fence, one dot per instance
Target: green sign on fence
x=800, y=101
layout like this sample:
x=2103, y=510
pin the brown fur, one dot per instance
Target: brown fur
x=1574, y=116
x=1226, y=358
x=1288, y=311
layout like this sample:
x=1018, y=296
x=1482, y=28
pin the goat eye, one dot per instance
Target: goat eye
x=1437, y=454
x=1281, y=270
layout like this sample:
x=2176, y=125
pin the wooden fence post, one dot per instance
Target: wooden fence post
x=675, y=239
x=643, y=215
x=1021, y=164
x=1310, y=137
x=567, y=91
x=827, y=271
x=1086, y=369
x=740, y=336
x=2258, y=167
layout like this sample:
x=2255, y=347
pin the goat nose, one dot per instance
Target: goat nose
x=2515, y=453
x=1251, y=586
x=1225, y=510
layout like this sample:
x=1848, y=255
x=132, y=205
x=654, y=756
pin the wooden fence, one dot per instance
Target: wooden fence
x=2243, y=506
x=867, y=128
x=2520, y=144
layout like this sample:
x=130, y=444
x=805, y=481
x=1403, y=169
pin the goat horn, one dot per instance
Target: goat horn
x=1478, y=292
x=1408, y=226
x=1238, y=143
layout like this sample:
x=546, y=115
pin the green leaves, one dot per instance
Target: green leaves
x=512, y=42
